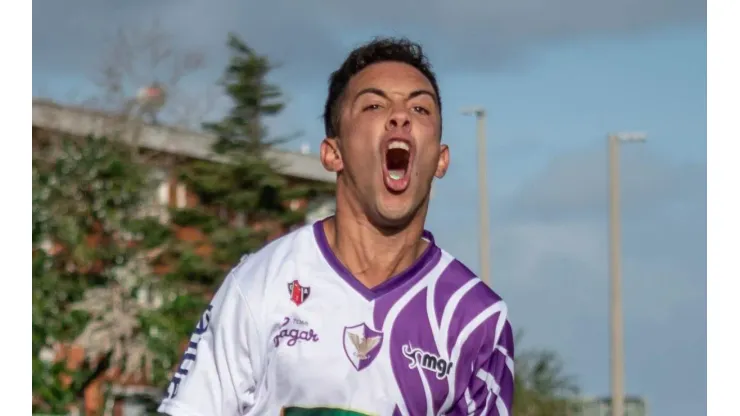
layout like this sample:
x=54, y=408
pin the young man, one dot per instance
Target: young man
x=360, y=313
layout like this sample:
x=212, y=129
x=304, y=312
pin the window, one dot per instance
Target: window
x=181, y=196
x=240, y=219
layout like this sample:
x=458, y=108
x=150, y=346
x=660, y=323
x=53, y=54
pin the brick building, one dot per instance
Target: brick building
x=164, y=147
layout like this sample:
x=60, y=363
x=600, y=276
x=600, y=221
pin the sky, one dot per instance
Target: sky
x=555, y=78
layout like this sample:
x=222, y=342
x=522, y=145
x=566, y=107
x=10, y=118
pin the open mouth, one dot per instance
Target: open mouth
x=397, y=163
x=397, y=159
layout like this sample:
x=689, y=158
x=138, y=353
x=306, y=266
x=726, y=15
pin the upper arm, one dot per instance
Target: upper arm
x=491, y=387
x=216, y=376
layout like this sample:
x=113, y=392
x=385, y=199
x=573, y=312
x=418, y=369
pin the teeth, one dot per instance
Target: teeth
x=395, y=174
x=397, y=144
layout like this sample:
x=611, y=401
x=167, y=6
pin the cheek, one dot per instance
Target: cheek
x=361, y=144
x=428, y=159
x=359, y=156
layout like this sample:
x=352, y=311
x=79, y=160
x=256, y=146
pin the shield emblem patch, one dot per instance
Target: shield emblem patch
x=298, y=293
x=361, y=345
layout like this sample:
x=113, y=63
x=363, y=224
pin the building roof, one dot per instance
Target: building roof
x=79, y=121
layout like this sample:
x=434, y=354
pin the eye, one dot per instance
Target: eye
x=371, y=107
x=421, y=110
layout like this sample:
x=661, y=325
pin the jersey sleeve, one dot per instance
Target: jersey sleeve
x=216, y=376
x=491, y=388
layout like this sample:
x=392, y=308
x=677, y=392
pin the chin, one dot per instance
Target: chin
x=394, y=216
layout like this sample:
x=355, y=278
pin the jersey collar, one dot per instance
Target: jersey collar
x=428, y=258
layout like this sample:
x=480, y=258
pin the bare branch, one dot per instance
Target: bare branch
x=189, y=110
x=149, y=57
x=138, y=58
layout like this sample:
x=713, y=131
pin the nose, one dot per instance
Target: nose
x=399, y=118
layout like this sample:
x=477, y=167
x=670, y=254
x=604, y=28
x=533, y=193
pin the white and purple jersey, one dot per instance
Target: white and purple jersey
x=291, y=332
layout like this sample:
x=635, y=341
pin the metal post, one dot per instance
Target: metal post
x=485, y=252
x=617, y=335
x=485, y=232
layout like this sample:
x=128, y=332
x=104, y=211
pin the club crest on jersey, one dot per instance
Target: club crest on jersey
x=428, y=361
x=298, y=293
x=361, y=345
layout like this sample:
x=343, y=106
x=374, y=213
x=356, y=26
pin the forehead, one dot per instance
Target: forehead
x=391, y=77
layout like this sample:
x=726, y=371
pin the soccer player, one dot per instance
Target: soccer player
x=360, y=313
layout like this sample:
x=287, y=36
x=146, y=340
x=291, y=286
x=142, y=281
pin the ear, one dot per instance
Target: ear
x=331, y=156
x=443, y=162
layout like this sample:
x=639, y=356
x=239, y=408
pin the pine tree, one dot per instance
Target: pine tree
x=92, y=243
x=244, y=181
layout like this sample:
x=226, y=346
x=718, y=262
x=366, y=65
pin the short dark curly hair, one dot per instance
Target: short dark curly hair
x=381, y=49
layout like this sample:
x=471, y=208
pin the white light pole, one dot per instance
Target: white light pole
x=615, y=270
x=485, y=253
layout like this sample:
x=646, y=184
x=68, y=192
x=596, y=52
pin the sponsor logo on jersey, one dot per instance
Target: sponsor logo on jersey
x=298, y=293
x=428, y=361
x=188, y=359
x=361, y=345
x=294, y=335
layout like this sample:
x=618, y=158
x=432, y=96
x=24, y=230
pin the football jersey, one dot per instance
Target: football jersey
x=291, y=332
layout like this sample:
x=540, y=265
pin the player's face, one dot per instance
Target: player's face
x=389, y=147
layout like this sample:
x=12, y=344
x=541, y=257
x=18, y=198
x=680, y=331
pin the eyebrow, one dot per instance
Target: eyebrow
x=381, y=93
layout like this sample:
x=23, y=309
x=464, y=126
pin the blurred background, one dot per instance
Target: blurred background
x=171, y=137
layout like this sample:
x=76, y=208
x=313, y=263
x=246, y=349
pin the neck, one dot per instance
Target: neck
x=372, y=254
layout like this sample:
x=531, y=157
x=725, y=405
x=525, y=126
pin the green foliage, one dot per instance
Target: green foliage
x=195, y=217
x=49, y=322
x=150, y=232
x=245, y=181
x=194, y=270
x=87, y=203
x=253, y=98
x=53, y=397
x=249, y=181
x=542, y=387
x=231, y=245
x=169, y=330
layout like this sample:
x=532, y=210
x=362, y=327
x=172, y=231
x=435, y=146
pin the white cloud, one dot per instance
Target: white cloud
x=474, y=34
x=575, y=185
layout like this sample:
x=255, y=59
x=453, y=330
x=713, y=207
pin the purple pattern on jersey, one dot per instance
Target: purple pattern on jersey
x=477, y=299
x=474, y=305
x=412, y=334
x=412, y=347
x=495, y=365
x=500, y=369
x=454, y=277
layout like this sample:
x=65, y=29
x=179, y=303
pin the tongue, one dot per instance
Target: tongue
x=396, y=180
